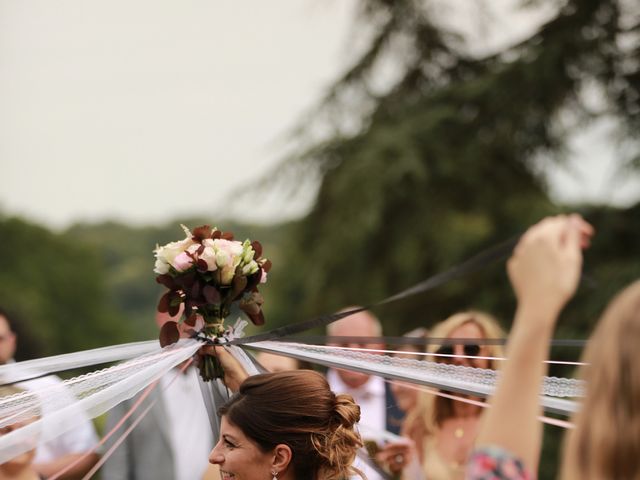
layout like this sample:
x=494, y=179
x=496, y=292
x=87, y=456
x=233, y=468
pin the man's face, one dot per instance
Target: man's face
x=358, y=325
x=7, y=341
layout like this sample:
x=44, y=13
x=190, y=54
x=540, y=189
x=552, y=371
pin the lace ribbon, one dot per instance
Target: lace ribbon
x=466, y=380
x=20, y=371
x=95, y=392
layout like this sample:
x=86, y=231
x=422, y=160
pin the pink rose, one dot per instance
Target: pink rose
x=182, y=262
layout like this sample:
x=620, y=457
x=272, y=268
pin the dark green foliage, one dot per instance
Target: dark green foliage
x=55, y=286
x=127, y=253
x=449, y=161
x=94, y=285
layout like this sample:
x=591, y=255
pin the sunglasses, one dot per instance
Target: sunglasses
x=470, y=350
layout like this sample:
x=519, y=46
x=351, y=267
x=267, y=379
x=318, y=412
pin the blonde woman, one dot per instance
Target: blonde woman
x=449, y=427
x=606, y=440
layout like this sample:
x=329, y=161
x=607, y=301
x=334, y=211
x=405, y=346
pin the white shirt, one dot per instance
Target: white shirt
x=373, y=409
x=53, y=395
x=191, y=436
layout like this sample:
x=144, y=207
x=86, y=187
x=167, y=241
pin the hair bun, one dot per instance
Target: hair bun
x=340, y=442
x=346, y=411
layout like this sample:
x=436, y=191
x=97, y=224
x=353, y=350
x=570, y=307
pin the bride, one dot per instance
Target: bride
x=286, y=425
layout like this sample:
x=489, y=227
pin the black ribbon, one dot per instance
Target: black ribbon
x=493, y=254
x=417, y=341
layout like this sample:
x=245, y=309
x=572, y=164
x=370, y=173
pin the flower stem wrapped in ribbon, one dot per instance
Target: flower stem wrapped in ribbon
x=209, y=272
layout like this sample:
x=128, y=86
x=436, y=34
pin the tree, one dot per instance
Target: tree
x=447, y=160
x=127, y=258
x=54, y=286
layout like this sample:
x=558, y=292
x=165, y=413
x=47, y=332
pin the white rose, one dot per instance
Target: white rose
x=166, y=254
x=161, y=267
x=222, y=258
x=232, y=247
x=228, y=252
x=209, y=256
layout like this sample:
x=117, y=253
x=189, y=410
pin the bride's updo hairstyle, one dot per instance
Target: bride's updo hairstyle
x=297, y=408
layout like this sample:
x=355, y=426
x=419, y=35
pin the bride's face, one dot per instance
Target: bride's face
x=239, y=457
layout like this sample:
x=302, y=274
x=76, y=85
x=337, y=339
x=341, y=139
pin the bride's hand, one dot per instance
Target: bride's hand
x=234, y=373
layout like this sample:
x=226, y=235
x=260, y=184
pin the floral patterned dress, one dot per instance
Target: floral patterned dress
x=495, y=463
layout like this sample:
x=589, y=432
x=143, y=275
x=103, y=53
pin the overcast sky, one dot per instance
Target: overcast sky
x=146, y=110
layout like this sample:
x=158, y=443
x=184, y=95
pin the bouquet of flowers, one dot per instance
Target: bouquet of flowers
x=209, y=273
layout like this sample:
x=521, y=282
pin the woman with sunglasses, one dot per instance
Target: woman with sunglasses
x=449, y=426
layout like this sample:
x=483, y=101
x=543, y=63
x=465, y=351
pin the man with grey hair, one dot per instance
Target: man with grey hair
x=377, y=407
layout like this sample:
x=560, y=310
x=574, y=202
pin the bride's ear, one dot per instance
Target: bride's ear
x=282, y=456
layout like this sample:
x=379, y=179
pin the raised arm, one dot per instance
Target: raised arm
x=544, y=271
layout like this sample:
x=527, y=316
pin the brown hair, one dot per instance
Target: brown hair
x=606, y=439
x=297, y=408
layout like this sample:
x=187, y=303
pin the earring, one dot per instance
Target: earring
x=275, y=475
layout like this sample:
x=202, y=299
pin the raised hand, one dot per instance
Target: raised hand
x=545, y=266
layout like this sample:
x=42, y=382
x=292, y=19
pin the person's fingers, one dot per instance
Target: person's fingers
x=556, y=230
x=207, y=350
x=571, y=235
x=576, y=237
x=215, y=351
x=585, y=228
x=551, y=227
x=547, y=228
x=537, y=234
x=390, y=453
x=395, y=462
x=220, y=351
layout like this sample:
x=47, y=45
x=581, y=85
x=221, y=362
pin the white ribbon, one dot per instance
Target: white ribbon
x=20, y=371
x=97, y=392
x=467, y=380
